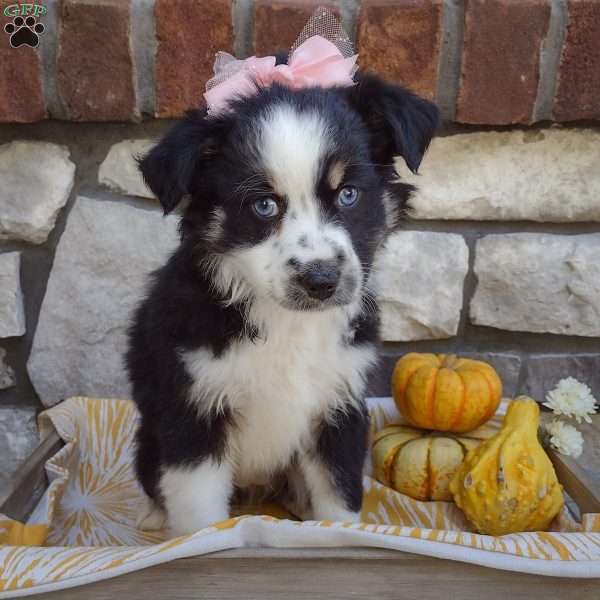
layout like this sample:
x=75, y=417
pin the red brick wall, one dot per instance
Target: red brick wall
x=503, y=46
x=500, y=68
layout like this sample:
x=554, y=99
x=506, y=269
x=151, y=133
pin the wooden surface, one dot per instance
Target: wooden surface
x=580, y=476
x=30, y=480
x=335, y=574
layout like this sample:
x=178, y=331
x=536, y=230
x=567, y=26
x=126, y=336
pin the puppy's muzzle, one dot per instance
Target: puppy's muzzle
x=319, y=279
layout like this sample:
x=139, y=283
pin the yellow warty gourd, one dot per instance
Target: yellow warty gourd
x=417, y=463
x=508, y=484
x=445, y=392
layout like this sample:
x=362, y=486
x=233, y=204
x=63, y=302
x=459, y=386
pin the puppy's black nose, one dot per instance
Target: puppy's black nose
x=320, y=280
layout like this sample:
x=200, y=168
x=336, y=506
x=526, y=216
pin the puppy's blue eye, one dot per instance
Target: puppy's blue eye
x=347, y=196
x=266, y=208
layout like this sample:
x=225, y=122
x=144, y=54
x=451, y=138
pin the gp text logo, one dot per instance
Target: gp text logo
x=22, y=10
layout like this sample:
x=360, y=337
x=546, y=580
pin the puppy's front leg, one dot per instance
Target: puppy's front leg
x=333, y=471
x=196, y=496
x=196, y=477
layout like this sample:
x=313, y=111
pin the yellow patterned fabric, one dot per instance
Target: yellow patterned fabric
x=83, y=529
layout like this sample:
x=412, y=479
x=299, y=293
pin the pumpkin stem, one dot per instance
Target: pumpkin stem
x=450, y=361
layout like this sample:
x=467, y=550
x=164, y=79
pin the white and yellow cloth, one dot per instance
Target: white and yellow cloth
x=83, y=529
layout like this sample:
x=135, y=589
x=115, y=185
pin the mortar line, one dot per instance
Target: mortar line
x=550, y=54
x=450, y=63
x=48, y=49
x=349, y=12
x=243, y=27
x=143, y=51
x=469, y=284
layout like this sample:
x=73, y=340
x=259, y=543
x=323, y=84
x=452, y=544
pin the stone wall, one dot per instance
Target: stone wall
x=500, y=260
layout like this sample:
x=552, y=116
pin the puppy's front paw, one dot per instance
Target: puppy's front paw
x=152, y=519
x=335, y=513
x=197, y=498
x=185, y=524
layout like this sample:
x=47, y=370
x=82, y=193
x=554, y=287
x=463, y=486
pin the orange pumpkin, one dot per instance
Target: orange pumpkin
x=444, y=392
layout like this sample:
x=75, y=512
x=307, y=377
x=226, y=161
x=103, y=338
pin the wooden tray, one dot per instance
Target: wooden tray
x=338, y=573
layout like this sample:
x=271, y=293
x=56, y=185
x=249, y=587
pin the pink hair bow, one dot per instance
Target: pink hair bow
x=317, y=62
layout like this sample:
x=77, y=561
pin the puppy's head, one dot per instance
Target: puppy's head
x=291, y=192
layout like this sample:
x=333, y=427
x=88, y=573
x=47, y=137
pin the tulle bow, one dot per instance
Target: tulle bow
x=317, y=62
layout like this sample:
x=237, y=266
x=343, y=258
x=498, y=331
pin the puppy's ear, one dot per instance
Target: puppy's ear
x=400, y=122
x=172, y=166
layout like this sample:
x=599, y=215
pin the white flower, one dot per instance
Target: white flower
x=572, y=399
x=564, y=438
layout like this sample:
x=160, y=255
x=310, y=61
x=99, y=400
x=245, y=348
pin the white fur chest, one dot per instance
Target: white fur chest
x=279, y=385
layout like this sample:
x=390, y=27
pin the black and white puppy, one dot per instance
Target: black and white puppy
x=249, y=356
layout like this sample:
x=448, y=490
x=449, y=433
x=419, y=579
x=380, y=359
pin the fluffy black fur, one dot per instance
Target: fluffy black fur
x=207, y=159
